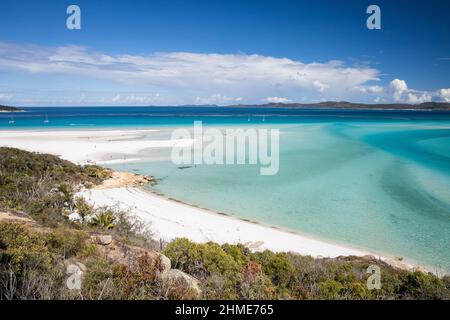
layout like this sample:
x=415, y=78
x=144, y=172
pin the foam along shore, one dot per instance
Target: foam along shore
x=170, y=219
x=100, y=146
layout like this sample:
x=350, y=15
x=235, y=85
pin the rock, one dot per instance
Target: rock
x=104, y=239
x=70, y=262
x=158, y=261
x=128, y=255
x=165, y=263
x=177, y=277
x=161, y=261
x=17, y=217
x=125, y=179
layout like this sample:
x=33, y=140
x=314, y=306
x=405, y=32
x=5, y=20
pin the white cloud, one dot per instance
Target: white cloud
x=399, y=87
x=5, y=97
x=216, y=99
x=200, y=78
x=418, y=97
x=186, y=75
x=277, y=100
x=116, y=98
x=134, y=99
x=369, y=89
x=320, y=85
x=401, y=93
x=444, y=94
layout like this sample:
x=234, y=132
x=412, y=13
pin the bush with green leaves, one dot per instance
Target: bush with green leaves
x=31, y=262
x=234, y=272
x=42, y=185
x=104, y=218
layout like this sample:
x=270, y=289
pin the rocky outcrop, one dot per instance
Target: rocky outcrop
x=20, y=218
x=121, y=253
x=176, y=277
x=104, y=239
x=125, y=179
x=128, y=255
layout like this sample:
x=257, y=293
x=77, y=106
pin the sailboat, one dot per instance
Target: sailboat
x=46, y=119
x=11, y=120
x=248, y=119
x=264, y=118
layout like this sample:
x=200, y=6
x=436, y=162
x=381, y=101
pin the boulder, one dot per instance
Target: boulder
x=72, y=262
x=128, y=255
x=104, y=239
x=164, y=263
x=177, y=277
x=160, y=261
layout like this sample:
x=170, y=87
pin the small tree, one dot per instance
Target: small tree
x=67, y=192
x=84, y=209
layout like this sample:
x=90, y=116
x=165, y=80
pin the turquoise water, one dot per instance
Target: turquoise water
x=374, y=179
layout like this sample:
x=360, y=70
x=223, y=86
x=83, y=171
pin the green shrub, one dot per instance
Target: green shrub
x=65, y=243
x=277, y=266
x=330, y=289
x=104, y=218
x=418, y=285
x=22, y=248
x=42, y=185
x=97, y=173
x=220, y=274
x=84, y=209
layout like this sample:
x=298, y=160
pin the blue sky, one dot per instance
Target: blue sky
x=223, y=52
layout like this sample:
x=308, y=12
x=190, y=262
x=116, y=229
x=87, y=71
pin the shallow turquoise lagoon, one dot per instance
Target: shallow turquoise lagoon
x=381, y=186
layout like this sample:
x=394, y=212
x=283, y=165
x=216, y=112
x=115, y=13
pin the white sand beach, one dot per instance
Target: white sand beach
x=89, y=146
x=168, y=218
x=171, y=219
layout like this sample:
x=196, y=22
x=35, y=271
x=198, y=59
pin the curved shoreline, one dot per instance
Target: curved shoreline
x=113, y=146
x=404, y=263
x=171, y=218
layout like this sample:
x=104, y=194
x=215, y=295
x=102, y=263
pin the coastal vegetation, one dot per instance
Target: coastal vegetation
x=119, y=259
x=43, y=185
x=233, y=271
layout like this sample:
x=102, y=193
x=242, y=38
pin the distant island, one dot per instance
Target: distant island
x=443, y=106
x=9, y=109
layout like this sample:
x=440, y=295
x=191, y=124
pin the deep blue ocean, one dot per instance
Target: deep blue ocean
x=93, y=117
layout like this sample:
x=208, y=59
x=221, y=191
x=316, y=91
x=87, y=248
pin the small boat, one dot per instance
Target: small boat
x=46, y=119
x=264, y=118
x=11, y=121
x=248, y=119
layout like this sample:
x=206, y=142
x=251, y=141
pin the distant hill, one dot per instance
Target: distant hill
x=350, y=105
x=9, y=109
